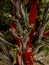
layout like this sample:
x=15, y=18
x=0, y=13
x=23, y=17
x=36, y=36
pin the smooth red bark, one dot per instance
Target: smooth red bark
x=32, y=19
x=33, y=12
x=18, y=41
x=45, y=34
x=29, y=59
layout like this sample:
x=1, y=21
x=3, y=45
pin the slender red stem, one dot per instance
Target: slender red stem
x=18, y=41
x=45, y=34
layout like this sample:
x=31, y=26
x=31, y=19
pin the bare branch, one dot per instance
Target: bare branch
x=18, y=8
x=19, y=27
x=17, y=38
x=45, y=22
x=40, y=56
x=42, y=30
x=36, y=51
x=3, y=39
x=24, y=13
x=8, y=43
x=16, y=22
x=5, y=50
x=39, y=62
x=22, y=62
x=17, y=5
x=5, y=58
x=13, y=3
x=27, y=36
x=2, y=35
x=25, y=2
x=13, y=33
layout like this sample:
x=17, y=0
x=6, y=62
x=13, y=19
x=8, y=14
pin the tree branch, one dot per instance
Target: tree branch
x=39, y=62
x=25, y=2
x=24, y=13
x=5, y=58
x=36, y=51
x=8, y=43
x=1, y=35
x=39, y=57
x=16, y=22
x=44, y=23
x=17, y=5
x=42, y=30
x=19, y=27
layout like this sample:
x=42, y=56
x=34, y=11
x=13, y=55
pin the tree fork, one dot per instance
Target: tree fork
x=27, y=53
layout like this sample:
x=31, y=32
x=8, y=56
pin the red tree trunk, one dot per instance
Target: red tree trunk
x=32, y=20
x=28, y=57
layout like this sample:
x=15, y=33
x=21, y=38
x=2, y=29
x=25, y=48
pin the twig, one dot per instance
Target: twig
x=13, y=3
x=16, y=22
x=25, y=2
x=24, y=13
x=8, y=43
x=5, y=58
x=17, y=5
x=13, y=33
x=18, y=9
x=36, y=51
x=44, y=23
x=19, y=27
x=40, y=62
x=42, y=30
x=40, y=55
x=2, y=35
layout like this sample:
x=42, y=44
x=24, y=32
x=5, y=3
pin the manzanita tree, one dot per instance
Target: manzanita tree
x=25, y=35
x=25, y=54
